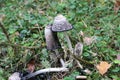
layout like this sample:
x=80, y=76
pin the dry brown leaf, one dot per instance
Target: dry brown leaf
x=103, y=67
x=89, y=40
x=17, y=33
x=81, y=33
x=116, y=6
x=31, y=65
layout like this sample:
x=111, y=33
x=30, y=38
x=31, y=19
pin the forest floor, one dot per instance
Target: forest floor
x=95, y=38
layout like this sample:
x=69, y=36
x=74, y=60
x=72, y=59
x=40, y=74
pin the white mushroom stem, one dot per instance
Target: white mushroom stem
x=69, y=45
x=79, y=64
x=48, y=70
x=69, y=42
x=61, y=60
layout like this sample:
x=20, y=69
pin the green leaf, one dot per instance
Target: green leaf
x=116, y=61
x=34, y=21
x=35, y=36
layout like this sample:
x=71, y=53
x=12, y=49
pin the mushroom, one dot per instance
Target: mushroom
x=51, y=38
x=78, y=51
x=52, y=42
x=61, y=24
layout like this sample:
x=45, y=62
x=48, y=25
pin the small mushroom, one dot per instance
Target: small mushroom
x=52, y=41
x=51, y=38
x=61, y=24
x=78, y=51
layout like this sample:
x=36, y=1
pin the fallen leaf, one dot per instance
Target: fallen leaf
x=41, y=12
x=103, y=67
x=89, y=40
x=81, y=33
x=17, y=33
x=116, y=6
x=31, y=66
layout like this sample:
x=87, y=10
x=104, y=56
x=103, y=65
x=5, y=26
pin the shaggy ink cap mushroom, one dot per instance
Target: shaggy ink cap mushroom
x=61, y=24
x=51, y=38
x=52, y=41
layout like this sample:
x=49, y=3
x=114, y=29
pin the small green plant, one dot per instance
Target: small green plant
x=72, y=76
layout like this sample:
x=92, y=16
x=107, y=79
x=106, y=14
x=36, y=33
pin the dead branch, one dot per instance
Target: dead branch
x=84, y=61
x=48, y=70
x=20, y=46
x=5, y=32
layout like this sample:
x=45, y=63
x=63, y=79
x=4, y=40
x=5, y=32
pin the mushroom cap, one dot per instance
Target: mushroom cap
x=61, y=24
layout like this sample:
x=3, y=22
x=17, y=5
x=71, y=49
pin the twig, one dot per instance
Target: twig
x=82, y=60
x=48, y=70
x=7, y=36
x=61, y=60
x=5, y=32
x=17, y=45
x=81, y=77
x=79, y=64
x=50, y=5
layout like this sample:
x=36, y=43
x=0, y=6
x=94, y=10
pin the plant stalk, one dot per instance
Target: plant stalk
x=61, y=60
x=69, y=42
